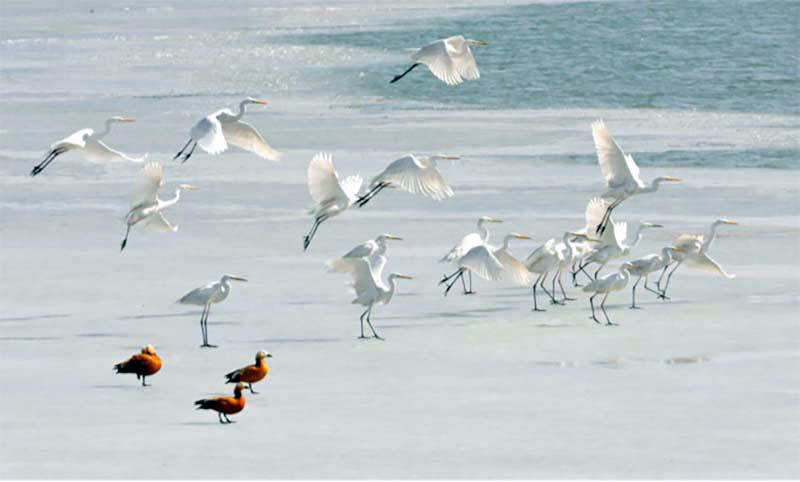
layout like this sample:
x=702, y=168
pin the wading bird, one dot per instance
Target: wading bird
x=331, y=196
x=251, y=373
x=143, y=364
x=491, y=263
x=224, y=406
x=642, y=267
x=415, y=174
x=207, y=295
x=449, y=59
x=146, y=207
x=214, y=132
x=606, y=284
x=370, y=289
x=542, y=261
x=693, y=251
x=88, y=144
x=468, y=242
x=620, y=172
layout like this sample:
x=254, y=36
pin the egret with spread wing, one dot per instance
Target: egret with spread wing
x=146, y=207
x=480, y=260
x=415, y=174
x=449, y=59
x=88, y=144
x=207, y=295
x=214, y=132
x=468, y=242
x=373, y=247
x=331, y=196
x=620, y=172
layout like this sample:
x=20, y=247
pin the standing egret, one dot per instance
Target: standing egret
x=468, y=242
x=89, y=145
x=369, y=286
x=570, y=251
x=693, y=250
x=331, y=196
x=214, y=132
x=606, y=284
x=207, y=295
x=642, y=267
x=620, y=172
x=481, y=260
x=541, y=261
x=146, y=207
x=373, y=247
x=415, y=174
x=449, y=59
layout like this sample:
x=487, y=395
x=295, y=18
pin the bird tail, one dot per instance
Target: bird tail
x=232, y=377
x=120, y=367
x=202, y=404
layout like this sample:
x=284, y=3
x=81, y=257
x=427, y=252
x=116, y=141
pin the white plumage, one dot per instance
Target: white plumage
x=415, y=174
x=450, y=60
x=604, y=285
x=207, y=295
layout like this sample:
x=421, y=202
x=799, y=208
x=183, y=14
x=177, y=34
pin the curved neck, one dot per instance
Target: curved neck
x=381, y=242
x=392, y=287
x=638, y=237
x=506, y=240
x=242, y=105
x=170, y=202
x=653, y=187
x=568, y=245
x=712, y=234
x=483, y=231
x=105, y=130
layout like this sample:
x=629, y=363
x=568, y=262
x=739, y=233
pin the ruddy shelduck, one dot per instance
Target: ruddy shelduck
x=251, y=373
x=142, y=364
x=224, y=406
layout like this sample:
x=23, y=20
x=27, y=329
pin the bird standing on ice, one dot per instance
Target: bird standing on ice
x=468, y=242
x=214, y=132
x=642, y=267
x=89, y=145
x=251, y=373
x=142, y=364
x=146, y=207
x=449, y=59
x=415, y=174
x=606, y=284
x=224, y=406
x=207, y=295
x=331, y=196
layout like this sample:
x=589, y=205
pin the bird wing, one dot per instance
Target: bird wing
x=417, y=176
x=149, y=184
x=618, y=168
x=437, y=58
x=74, y=140
x=362, y=250
x=208, y=134
x=245, y=136
x=158, y=223
x=619, y=234
x=467, y=242
x=363, y=276
x=689, y=242
x=704, y=262
x=97, y=150
x=464, y=62
x=199, y=296
x=546, y=249
x=516, y=271
x=351, y=185
x=595, y=211
x=323, y=181
x=482, y=262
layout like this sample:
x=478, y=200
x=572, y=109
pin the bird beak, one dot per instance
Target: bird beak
x=656, y=226
x=237, y=278
x=189, y=187
x=127, y=119
x=522, y=236
x=402, y=276
x=680, y=250
x=731, y=222
x=481, y=43
x=269, y=355
x=493, y=220
x=392, y=236
x=260, y=101
x=449, y=158
x=672, y=179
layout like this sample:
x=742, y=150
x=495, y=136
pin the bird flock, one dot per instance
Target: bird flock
x=601, y=240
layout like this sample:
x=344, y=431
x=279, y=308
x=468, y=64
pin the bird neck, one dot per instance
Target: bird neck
x=483, y=231
x=653, y=187
x=712, y=234
x=170, y=202
x=242, y=109
x=392, y=287
x=105, y=130
x=568, y=244
x=381, y=243
x=506, y=240
x=237, y=394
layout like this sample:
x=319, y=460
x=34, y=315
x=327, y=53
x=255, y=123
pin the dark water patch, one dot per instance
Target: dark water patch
x=785, y=158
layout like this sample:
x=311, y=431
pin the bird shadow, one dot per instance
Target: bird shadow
x=101, y=335
x=29, y=338
x=115, y=387
x=31, y=318
x=160, y=315
x=289, y=340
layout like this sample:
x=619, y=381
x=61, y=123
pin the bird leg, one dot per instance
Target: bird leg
x=362, y=322
x=204, y=322
x=563, y=293
x=657, y=293
x=464, y=285
x=219, y=416
x=633, y=294
x=574, y=272
x=581, y=268
x=669, y=277
x=601, y=228
x=227, y=419
x=591, y=303
x=596, y=273
x=125, y=241
x=554, y=301
x=398, y=77
x=143, y=383
x=361, y=201
x=535, y=307
x=541, y=285
x=455, y=276
x=189, y=154
x=470, y=292
x=307, y=239
x=47, y=160
x=250, y=386
x=369, y=314
x=603, y=307
x=182, y=149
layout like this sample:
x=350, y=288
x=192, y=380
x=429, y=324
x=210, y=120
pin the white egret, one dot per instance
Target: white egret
x=570, y=251
x=693, y=251
x=468, y=242
x=606, y=284
x=214, y=132
x=620, y=172
x=369, y=286
x=449, y=59
x=542, y=261
x=331, y=196
x=88, y=144
x=373, y=247
x=146, y=207
x=480, y=260
x=207, y=295
x=642, y=267
x=415, y=174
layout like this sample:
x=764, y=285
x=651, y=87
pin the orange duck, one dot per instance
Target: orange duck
x=224, y=406
x=251, y=373
x=142, y=364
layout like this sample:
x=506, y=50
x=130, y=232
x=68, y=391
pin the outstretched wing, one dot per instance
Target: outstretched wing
x=351, y=185
x=513, y=269
x=364, y=281
x=323, y=181
x=97, y=150
x=481, y=261
x=704, y=262
x=620, y=232
x=437, y=58
x=208, y=134
x=595, y=211
x=547, y=249
x=617, y=167
x=149, y=184
x=158, y=223
x=75, y=140
x=467, y=242
x=417, y=175
x=245, y=136
x=464, y=62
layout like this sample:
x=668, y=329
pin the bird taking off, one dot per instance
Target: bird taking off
x=415, y=174
x=450, y=60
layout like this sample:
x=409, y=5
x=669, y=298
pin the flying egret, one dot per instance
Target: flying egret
x=146, y=207
x=606, y=284
x=415, y=174
x=367, y=275
x=468, y=242
x=448, y=59
x=642, y=267
x=207, y=295
x=373, y=247
x=542, y=261
x=331, y=196
x=214, y=132
x=693, y=251
x=620, y=172
x=89, y=145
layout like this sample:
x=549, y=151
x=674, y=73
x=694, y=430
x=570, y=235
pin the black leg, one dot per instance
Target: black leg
x=143, y=383
x=603, y=307
x=398, y=77
x=669, y=277
x=47, y=160
x=227, y=419
x=307, y=239
x=471, y=291
x=542, y=286
x=657, y=293
x=535, y=306
x=563, y=292
x=458, y=274
x=369, y=314
x=464, y=285
x=125, y=240
x=633, y=294
x=604, y=222
x=219, y=416
x=250, y=386
x=182, y=149
x=581, y=269
x=205, y=332
x=362, y=322
x=189, y=154
x=591, y=303
x=553, y=299
x=360, y=202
